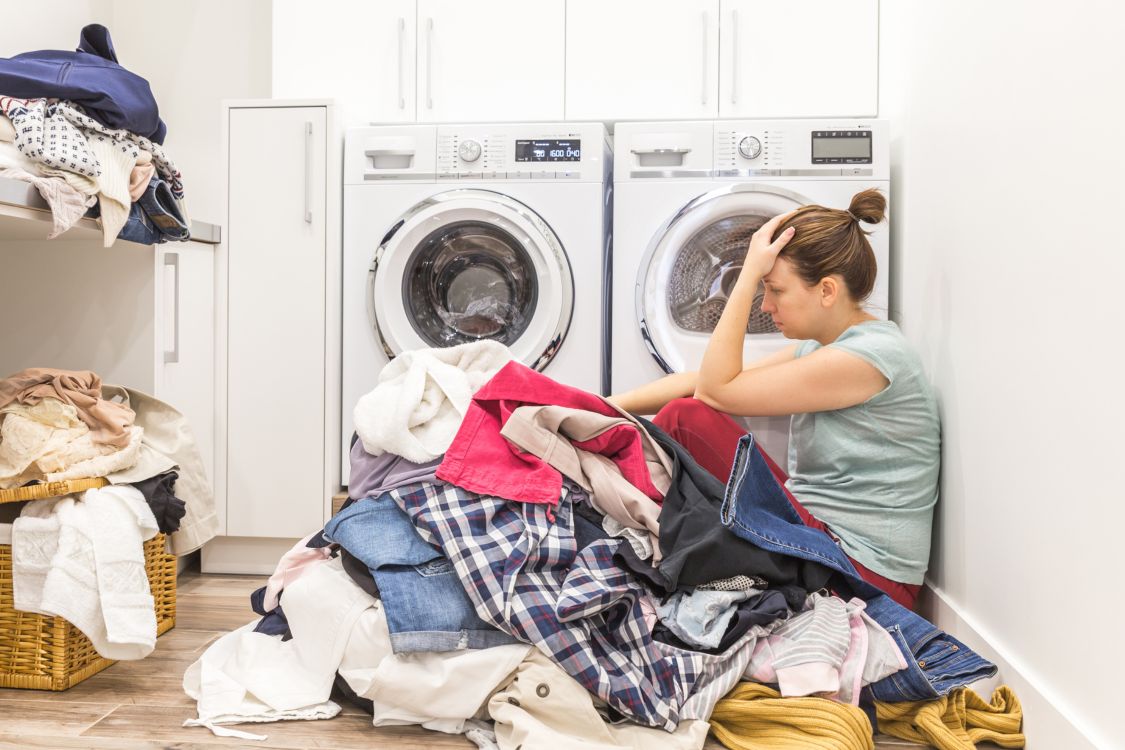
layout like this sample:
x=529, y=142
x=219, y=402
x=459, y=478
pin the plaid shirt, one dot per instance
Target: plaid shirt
x=525, y=575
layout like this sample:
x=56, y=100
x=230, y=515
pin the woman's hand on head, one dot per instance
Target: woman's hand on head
x=764, y=247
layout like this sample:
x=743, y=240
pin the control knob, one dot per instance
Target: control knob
x=750, y=147
x=469, y=151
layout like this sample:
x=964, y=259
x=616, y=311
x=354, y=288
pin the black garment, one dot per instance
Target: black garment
x=698, y=549
x=273, y=622
x=760, y=609
x=167, y=508
x=341, y=689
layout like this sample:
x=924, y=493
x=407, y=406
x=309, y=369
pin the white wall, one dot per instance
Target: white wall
x=195, y=54
x=1007, y=124
x=48, y=24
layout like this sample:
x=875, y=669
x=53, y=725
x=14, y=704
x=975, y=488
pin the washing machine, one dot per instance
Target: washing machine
x=688, y=196
x=455, y=233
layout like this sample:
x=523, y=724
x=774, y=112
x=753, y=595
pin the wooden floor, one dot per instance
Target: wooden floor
x=141, y=705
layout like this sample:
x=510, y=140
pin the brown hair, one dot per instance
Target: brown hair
x=831, y=241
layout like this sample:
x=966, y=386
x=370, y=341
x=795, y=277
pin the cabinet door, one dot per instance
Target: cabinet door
x=490, y=61
x=275, y=321
x=358, y=52
x=185, y=363
x=799, y=58
x=639, y=59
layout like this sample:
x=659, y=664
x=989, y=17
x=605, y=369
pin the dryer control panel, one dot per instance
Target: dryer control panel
x=740, y=149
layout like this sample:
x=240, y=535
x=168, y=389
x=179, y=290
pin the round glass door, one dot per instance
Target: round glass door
x=466, y=265
x=690, y=269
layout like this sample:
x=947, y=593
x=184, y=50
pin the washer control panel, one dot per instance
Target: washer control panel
x=515, y=152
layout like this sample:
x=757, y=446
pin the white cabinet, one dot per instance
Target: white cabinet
x=361, y=54
x=642, y=59
x=700, y=59
x=185, y=321
x=278, y=362
x=492, y=60
x=423, y=60
x=799, y=58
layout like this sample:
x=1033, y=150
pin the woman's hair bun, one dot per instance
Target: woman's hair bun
x=869, y=206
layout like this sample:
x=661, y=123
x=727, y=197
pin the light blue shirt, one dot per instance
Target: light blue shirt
x=870, y=471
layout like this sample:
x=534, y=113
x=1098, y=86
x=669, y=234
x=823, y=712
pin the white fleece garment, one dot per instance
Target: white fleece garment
x=83, y=560
x=422, y=396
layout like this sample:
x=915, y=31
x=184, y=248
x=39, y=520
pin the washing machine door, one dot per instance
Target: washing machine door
x=690, y=269
x=466, y=265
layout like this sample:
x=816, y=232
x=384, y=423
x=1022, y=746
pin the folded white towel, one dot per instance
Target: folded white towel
x=422, y=396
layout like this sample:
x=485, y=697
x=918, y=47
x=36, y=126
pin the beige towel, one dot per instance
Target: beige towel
x=139, y=179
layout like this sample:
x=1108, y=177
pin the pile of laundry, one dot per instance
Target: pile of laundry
x=81, y=556
x=523, y=563
x=87, y=134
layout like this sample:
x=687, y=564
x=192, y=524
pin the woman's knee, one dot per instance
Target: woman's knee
x=680, y=411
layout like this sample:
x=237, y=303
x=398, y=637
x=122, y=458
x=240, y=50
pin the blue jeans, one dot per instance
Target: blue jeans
x=163, y=212
x=426, y=606
x=139, y=228
x=756, y=509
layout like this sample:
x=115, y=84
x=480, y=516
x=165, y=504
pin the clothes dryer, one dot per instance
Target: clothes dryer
x=454, y=233
x=688, y=196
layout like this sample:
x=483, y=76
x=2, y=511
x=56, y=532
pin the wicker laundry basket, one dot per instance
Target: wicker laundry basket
x=38, y=652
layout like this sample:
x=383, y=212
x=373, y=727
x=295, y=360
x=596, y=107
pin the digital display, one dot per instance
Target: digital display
x=841, y=147
x=551, y=149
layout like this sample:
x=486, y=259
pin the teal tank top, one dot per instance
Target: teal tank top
x=870, y=471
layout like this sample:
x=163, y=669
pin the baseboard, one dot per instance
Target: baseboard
x=1047, y=722
x=243, y=555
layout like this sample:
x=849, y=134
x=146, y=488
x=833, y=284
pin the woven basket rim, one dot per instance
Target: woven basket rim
x=51, y=489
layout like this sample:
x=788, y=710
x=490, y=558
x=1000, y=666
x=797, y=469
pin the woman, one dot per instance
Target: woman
x=865, y=437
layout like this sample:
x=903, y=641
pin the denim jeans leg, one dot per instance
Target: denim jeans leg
x=163, y=211
x=425, y=602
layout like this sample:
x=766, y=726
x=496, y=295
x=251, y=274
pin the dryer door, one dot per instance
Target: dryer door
x=691, y=266
x=466, y=265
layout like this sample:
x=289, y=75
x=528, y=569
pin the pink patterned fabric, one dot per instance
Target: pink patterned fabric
x=292, y=565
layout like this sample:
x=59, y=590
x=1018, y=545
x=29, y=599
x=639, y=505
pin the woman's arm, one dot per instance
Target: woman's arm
x=651, y=397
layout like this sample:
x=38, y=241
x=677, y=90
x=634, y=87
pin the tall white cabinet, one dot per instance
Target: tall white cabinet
x=278, y=353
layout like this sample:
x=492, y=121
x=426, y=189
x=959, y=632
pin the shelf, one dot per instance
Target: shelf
x=24, y=215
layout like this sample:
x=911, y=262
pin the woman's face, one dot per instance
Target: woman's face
x=794, y=306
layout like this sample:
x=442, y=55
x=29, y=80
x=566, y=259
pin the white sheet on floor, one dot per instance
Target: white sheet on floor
x=440, y=691
x=252, y=677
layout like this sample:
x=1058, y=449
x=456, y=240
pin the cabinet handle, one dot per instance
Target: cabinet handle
x=704, y=98
x=734, y=76
x=401, y=46
x=173, y=260
x=429, y=63
x=308, y=172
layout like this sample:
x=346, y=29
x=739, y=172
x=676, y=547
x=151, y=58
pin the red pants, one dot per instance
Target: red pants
x=711, y=437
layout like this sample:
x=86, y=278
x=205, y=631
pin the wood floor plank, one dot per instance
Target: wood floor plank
x=345, y=732
x=36, y=717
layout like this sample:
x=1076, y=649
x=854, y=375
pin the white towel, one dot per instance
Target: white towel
x=422, y=396
x=83, y=560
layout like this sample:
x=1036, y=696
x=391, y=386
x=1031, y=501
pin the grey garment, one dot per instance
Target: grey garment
x=371, y=476
x=169, y=442
x=547, y=432
x=701, y=617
